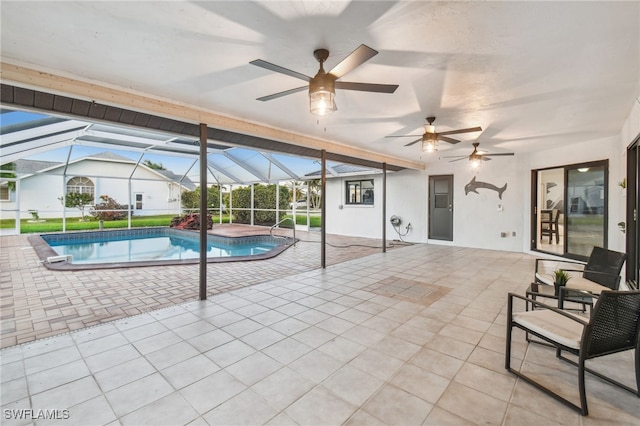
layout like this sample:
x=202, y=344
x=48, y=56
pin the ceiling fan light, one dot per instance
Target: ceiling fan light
x=428, y=128
x=476, y=161
x=429, y=145
x=322, y=102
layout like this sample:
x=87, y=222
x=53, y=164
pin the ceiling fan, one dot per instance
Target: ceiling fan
x=477, y=157
x=322, y=87
x=430, y=137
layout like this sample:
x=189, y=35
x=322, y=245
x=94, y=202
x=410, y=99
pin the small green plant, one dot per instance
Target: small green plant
x=560, y=277
x=623, y=183
x=34, y=214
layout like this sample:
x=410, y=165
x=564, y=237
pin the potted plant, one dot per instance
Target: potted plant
x=560, y=279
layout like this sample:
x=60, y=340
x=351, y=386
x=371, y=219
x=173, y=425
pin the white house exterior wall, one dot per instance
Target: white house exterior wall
x=42, y=191
x=478, y=222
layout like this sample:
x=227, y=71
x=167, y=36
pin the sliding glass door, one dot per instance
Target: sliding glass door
x=570, y=209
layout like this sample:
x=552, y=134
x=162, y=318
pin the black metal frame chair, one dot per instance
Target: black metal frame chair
x=614, y=326
x=601, y=271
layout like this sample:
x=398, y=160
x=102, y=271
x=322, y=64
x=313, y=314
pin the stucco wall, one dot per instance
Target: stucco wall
x=477, y=220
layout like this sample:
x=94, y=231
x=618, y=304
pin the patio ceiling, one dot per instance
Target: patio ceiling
x=534, y=75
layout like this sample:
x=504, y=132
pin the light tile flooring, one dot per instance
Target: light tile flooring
x=414, y=336
x=37, y=302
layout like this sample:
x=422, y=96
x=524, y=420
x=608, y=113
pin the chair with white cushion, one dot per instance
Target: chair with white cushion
x=601, y=272
x=614, y=326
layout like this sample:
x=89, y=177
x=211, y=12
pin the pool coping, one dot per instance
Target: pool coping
x=44, y=251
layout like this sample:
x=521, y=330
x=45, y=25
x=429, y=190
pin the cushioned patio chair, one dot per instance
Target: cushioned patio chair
x=613, y=326
x=601, y=272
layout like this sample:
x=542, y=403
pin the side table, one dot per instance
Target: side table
x=536, y=290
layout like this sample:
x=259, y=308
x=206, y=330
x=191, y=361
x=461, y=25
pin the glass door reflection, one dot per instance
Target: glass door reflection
x=586, y=210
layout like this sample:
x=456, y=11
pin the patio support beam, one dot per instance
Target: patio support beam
x=252, y=203
x=384, y=207
x=64, y=190
x=203, y=212
x=323, y=211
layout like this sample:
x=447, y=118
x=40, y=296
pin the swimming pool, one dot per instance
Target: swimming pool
x=148, y=246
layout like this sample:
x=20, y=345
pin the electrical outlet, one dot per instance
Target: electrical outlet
x=513, y=234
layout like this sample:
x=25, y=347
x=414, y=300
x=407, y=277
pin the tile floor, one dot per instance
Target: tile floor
x=414, y=336
x=37, y=302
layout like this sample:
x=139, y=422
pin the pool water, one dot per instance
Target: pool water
x=142, y=245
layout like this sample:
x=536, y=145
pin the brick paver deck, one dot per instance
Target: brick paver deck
x=36, y=302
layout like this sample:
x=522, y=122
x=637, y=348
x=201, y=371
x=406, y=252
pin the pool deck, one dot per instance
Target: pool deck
x=37, y=302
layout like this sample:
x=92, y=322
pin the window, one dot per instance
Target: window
x=138, y=201
x=4, y=192
x=360, y=192
x=80, y=185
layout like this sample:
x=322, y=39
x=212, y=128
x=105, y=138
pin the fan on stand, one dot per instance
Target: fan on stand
x=477, y=157
x=430, y=137
x=322, y=87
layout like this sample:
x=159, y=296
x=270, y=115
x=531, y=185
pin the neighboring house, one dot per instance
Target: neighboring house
x=43, y=183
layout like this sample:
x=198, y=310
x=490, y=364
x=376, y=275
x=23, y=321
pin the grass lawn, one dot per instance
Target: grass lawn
x=74, y=224
x=314, y=221
x=28, y=226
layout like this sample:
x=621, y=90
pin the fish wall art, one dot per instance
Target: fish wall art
x=474, y=185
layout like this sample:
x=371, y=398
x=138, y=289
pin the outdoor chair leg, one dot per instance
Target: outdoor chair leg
x=507, y=353
x=583, y=394
x=637, y=357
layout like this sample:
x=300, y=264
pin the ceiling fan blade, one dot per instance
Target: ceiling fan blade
x=501, y=153
x=404, y=136
x=277, y=68
x=414, y=142
x=470, y=129
x=356, y=58
x=281, y=94
x=462, y=158
x=366, y=87
x=484, y=158
x=447, y=139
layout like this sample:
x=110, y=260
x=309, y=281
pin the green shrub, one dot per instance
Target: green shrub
x=264, y=198
x=191, y=199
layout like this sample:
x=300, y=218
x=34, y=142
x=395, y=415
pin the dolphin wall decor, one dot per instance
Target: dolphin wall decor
x=474, y=185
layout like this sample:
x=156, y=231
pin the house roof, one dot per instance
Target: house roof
x=25, y=168
x=29, y=167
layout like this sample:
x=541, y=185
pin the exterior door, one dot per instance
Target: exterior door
x=441, y=207
x=632, y=231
